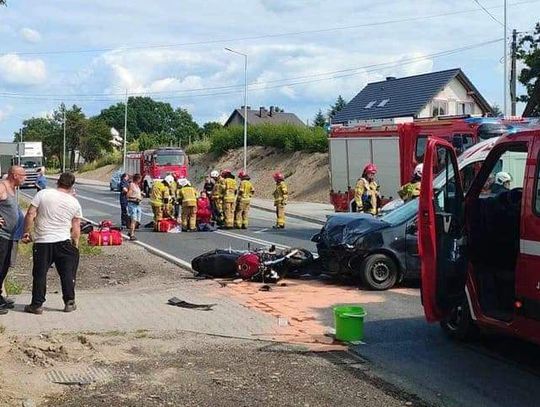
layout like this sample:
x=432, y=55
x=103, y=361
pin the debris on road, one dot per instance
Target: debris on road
x=177, y=302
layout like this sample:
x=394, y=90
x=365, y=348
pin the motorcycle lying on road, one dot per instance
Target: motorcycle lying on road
x=260, y=265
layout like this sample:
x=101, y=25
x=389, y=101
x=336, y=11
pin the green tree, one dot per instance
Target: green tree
x=184, y=129
x=209, y=127
x=496, y=109
x=147, y=141
x=529, y=54
x=319, y=120
x=3, y=3
x=337, y=106
x=96, y=139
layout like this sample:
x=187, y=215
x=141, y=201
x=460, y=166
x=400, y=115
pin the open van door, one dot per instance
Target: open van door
x=441, y=233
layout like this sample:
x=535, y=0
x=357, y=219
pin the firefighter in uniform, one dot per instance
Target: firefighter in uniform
x=228, y=192
x=187, y=196
x=160, y=199
x=411, y=189
x=217, y=196
x=174, y=188
x=281, y=195
x=366, y=191
x=245, y=192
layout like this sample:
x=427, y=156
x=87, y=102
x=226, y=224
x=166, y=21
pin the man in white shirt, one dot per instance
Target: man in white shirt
x=55, y=216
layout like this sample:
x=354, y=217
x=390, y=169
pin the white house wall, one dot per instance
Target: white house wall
x=453, y=93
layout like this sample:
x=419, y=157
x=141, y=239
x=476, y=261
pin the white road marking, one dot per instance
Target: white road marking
x=261, y=231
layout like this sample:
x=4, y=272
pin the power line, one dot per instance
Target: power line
x=257, y=86
x=277, y=35
x=488, y=13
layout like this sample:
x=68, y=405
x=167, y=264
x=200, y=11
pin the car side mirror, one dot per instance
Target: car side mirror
x=412, y=228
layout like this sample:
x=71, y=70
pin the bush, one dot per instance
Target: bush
x=199, y=146
x=111, y=158
x=285, y=136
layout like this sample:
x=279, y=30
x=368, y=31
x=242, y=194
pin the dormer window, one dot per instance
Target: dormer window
x=370, y=104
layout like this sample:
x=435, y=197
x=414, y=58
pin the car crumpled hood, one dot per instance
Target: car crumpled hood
x=347, y=228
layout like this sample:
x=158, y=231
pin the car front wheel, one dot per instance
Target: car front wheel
x=378, y=272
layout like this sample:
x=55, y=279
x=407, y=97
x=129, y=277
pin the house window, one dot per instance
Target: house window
x=383, y=103
x=370, y=104
x=439, y=108
x=465, y=108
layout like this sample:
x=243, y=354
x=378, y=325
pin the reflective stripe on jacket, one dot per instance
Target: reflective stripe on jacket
x=229, y=190
x=245, y=191
x=281, y=194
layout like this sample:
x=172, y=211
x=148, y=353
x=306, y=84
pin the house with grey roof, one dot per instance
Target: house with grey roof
x=262, y=115
x=443, y=93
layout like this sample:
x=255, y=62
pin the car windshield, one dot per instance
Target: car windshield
x=402, y=214
x=170, y=159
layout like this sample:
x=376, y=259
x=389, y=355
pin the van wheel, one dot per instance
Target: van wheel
x=459, y=324
x=378, y=272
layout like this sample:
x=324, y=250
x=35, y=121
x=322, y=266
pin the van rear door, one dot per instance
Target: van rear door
x=441, y=233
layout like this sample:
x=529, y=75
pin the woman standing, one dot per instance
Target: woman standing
x=134, y=198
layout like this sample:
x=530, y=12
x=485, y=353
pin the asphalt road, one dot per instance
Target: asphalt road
x=401, y=346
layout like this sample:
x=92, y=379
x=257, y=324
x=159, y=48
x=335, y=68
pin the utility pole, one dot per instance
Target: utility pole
x=64, y=148
x=513, y=74
x=505, y=58
x=125, y=132
x=19, y=147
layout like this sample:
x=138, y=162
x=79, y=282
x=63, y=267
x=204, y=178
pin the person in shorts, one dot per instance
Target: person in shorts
x=134, y=198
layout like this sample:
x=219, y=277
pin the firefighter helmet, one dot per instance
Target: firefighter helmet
x=225, y=173
x=370, y=169
x=214, y=174
x=183, y=182
x=502, y=177
x=169, y=179
x=418, y=170
x=278, y=176
x=243, y=174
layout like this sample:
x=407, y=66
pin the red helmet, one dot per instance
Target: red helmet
x=242, y=174
x=248, y=265
x=278, y=176
x=370, y=169
x=224, y=173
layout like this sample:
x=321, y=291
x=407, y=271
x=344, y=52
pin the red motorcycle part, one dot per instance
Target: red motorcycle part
x=248, y=265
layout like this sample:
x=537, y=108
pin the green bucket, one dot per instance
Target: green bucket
x=349, y=321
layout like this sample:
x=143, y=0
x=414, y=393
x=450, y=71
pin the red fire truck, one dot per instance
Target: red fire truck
x=396, y=147
x=480, y=251
x=157, y=163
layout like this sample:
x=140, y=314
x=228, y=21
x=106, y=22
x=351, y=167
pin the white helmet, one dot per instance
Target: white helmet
x=169, y=179
x=418, y=170
x=502, y=177
x=214, y=174
x=183, y=182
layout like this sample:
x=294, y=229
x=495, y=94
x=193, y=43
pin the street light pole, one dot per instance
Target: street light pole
x=64, y=148
x=505, y=104
x=125, y=132
x=245, y=102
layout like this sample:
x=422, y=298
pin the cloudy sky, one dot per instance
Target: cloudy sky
x=302, y=53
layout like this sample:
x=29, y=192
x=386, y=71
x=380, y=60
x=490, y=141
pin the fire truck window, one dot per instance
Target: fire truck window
x=511, y=162
x=445, y=198
x=464, y=140
x=170, y=159
x=537, y=194
x=421, y=142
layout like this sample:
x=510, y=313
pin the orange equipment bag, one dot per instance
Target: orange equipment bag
x=164, y=225
x=105, y=235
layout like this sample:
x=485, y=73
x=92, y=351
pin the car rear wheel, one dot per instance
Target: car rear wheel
x=459, y=324
x=378, y=272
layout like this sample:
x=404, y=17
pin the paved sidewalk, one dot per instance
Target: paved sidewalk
x=131, y=309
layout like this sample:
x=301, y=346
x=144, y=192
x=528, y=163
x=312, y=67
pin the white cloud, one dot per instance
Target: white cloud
x=30, y=35
x=17, y=71
x=5, y=112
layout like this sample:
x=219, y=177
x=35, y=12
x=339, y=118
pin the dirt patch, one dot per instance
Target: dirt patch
x=306, y=173
x=185, y=369
x=99, y=174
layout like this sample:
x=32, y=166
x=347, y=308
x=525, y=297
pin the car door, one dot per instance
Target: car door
x=440, y=233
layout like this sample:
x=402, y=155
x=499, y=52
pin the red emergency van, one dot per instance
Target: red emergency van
x=480, y=253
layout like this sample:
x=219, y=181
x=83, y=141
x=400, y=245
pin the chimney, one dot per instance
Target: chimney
x=390, y=78
x=262, y=111
x=271, y=110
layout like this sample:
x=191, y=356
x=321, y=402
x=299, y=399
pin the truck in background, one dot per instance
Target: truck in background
x=396, y=146
x=28, y=155
x=157, y=163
